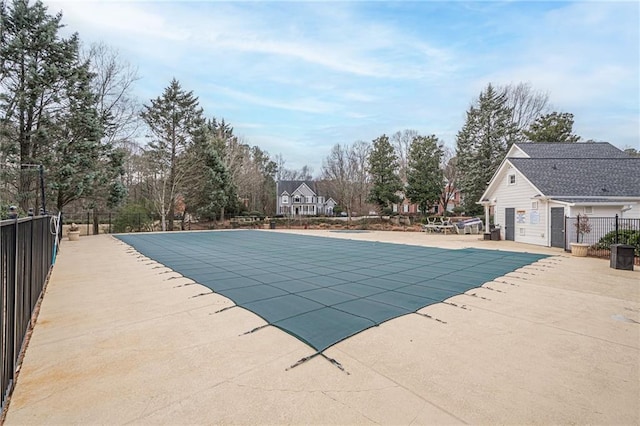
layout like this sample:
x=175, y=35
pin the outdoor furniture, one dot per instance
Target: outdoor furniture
x=438, y=225
x=445, y=225
x=469, y=226
x=430, y=226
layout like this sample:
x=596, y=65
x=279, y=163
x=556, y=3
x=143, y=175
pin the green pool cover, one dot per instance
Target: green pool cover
x=323, y=290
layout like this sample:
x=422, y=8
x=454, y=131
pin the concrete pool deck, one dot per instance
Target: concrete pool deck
x=120, y=339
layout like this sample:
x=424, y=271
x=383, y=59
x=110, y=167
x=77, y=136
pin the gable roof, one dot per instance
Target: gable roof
x=289, y=186
x=582, y=177
x=571, y=150
x=595, y=170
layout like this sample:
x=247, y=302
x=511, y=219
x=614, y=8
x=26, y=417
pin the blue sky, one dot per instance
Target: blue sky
x=297, y=77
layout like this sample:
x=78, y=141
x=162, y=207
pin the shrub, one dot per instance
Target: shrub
x=132, y=217
x=625, y=236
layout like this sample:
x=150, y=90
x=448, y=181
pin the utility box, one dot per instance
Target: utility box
x=272, y=224
x=495, y=234
x=622, y=257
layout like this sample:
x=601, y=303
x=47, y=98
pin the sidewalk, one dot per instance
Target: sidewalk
x=121, y=340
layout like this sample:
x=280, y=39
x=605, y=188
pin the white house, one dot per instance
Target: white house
x=301, y=198
x=538, y=184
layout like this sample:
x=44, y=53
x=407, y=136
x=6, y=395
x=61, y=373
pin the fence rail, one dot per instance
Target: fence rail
x=27, y=252
x=601, y=232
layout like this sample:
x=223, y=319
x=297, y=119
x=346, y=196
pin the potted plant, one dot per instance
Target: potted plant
x=74, y=232
x=583, y=227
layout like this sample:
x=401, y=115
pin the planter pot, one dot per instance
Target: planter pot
x=579, y=249
x=73, y=235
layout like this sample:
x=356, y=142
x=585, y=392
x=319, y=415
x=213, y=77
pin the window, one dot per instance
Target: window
x=308, y=200
x=296, y=199
x=511, y=179
x=285, y=199
x=405, y=208
x=534, y=205
x=588, y=210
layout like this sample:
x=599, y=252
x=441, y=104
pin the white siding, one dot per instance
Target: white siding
x=304, y=191
x=519, y=196
x=633, y=213
x=603, y=211
x=516, y=152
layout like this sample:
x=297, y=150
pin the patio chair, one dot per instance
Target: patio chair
x=430, y=226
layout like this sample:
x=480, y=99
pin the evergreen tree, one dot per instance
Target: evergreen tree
x=77, y=133
x=47, y=107
x=554, y=127
x=174, y=120
x=425, y=181
x=482, y=143
x=208, y=190
x=383, y=169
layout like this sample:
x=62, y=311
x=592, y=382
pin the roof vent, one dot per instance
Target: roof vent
x=604, y=190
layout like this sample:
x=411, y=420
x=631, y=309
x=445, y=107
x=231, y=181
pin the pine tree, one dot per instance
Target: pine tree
x=482, y=143
x=554, y=127
x=383, y=169
x=47, y=108
x=208, y=189
x=173, y=120
x=425, y=180
x=77, y=148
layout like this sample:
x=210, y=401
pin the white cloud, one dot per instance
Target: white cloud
x=309, y=105
x=313, y=73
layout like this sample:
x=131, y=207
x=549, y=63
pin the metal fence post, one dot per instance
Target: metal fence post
x=616, y=228
x=15, y=304
x=88, y=219
x=110, y=222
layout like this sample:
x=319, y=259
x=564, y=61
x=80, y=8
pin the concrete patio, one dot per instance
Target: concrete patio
x=120, y=339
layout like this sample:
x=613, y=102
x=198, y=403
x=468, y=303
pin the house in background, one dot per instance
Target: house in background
x=301, y=198
x=407, y=207
x=538, y=184
x=455, y=201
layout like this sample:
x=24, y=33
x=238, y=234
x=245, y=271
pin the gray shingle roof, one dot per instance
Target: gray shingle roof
x=572, y=150
x=291, y=185
x=582, y=177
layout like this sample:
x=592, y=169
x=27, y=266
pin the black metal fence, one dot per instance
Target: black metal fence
x=27, y=252
x=600, y=232
x=94, y=223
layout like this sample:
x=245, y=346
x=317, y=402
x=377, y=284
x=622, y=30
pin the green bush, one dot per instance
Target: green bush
x=132, y=218
x=625, y=236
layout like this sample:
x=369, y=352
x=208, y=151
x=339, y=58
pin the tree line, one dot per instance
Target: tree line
x=426, y=172
x=69, y=110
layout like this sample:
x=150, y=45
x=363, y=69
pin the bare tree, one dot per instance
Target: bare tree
x=112, y=83
x=526, y=105
x=451, y=173
x=401, y=142
x=344, y=174
x=284, y=173
x=359, y=158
